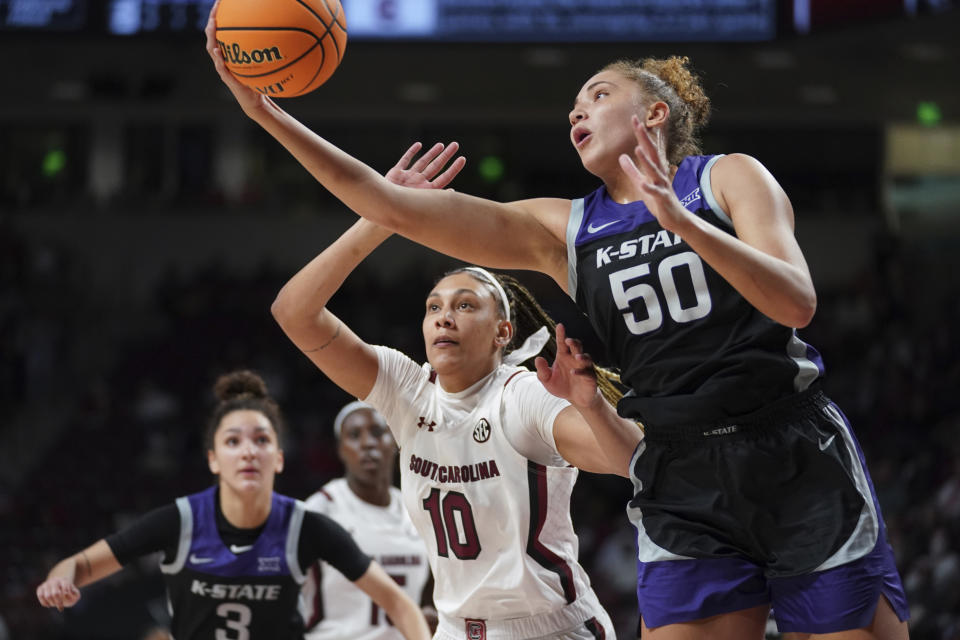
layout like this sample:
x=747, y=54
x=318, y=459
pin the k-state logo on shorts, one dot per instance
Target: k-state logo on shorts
x=476, y=629
x=481, y=432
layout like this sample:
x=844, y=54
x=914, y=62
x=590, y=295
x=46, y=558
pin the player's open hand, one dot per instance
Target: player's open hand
x=58, y=592
x=571, y=376
x=427, y=171
x=649, y=169
x=249, y=99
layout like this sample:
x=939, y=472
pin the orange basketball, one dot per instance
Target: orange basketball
x=282, y=48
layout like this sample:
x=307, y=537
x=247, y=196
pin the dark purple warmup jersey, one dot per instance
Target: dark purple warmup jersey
x=692, y=350
x=218, y=591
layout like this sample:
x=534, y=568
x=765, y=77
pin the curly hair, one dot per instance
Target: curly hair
x=670, y=80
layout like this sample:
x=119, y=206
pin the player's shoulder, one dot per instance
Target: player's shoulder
x=543, y=208
x=521, y=381
x=732, y=166
x=396, y=363
x=326, y=497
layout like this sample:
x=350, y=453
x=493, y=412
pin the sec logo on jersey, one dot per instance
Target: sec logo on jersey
x=481, y=432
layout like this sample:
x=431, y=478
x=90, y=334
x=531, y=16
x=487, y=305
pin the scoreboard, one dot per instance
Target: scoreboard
x=439, y=20
x=490, y=20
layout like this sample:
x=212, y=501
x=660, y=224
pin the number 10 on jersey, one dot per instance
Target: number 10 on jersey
x=453, y=524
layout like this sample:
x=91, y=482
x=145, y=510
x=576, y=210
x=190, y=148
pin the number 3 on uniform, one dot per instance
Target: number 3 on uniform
x=240, y=624
x=453, y=524
x=624, y=296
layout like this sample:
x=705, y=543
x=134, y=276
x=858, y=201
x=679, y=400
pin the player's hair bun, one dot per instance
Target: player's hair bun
x=239, y=383
x=676, y=72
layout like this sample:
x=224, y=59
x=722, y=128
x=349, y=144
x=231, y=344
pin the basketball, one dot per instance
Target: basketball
x=281, y=48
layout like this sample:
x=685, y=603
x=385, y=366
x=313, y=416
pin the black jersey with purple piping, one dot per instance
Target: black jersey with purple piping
x=691, y=349
x=249, y=591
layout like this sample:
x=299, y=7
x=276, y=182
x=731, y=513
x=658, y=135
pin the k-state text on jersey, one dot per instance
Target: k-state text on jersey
x=638, y=246
x=236, y=591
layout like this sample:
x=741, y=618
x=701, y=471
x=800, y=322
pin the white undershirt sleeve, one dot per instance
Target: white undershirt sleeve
x=529, y=412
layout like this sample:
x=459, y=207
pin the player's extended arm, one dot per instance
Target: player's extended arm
x=60, y=589
x=589, y=435
x=403, y=611
x=527, y=234
x=301, y=306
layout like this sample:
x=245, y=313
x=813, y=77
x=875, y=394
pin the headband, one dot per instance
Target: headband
x=496, y=285
x=533, y=345
x=349, y=408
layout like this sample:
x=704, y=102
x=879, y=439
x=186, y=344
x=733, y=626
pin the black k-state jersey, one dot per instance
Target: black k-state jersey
x=692, y=350
x=245, y=592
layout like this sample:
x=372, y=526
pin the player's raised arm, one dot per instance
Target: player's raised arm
x=301, y=311
x=61, y=588
x=519, y=235
x=300, y=307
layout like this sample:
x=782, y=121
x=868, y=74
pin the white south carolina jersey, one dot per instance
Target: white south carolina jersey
x=333, y=607
x=490, y=495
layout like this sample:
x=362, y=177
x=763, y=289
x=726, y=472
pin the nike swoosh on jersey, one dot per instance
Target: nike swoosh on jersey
x=594, y=229
x=826, y=443
x=235, y=549
x=195, y=559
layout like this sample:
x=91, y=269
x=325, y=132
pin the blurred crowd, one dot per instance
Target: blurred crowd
x=104, y=425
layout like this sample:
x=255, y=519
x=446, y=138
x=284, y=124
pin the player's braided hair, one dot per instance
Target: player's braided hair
x=527, y=316
x=670, y=80
x=239, y=390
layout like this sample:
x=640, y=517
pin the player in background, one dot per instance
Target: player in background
x=365, y=502
x=689, y=271
x=235, y=555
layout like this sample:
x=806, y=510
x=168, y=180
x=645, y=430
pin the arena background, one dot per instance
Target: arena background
x=146, y=225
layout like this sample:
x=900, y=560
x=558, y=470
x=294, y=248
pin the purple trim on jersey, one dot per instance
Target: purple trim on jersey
x=814, y=356
x=537, y=486
x=604, y=217
x=267, y=557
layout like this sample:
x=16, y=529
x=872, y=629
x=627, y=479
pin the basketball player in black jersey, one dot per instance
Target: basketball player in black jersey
x=751, y=490
x=235, y=555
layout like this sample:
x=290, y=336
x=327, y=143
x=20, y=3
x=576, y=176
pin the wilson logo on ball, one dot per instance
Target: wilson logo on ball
x=281, y=48
x=233, y=54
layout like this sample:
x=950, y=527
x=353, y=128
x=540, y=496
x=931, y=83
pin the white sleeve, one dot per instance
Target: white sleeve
x=399, y=381
x=528, y=412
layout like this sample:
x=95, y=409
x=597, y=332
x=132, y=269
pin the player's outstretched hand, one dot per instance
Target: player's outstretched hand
x=571, y=376
x=425, y=172
x=649, y=169
x=249, y=99
x=58, y=592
